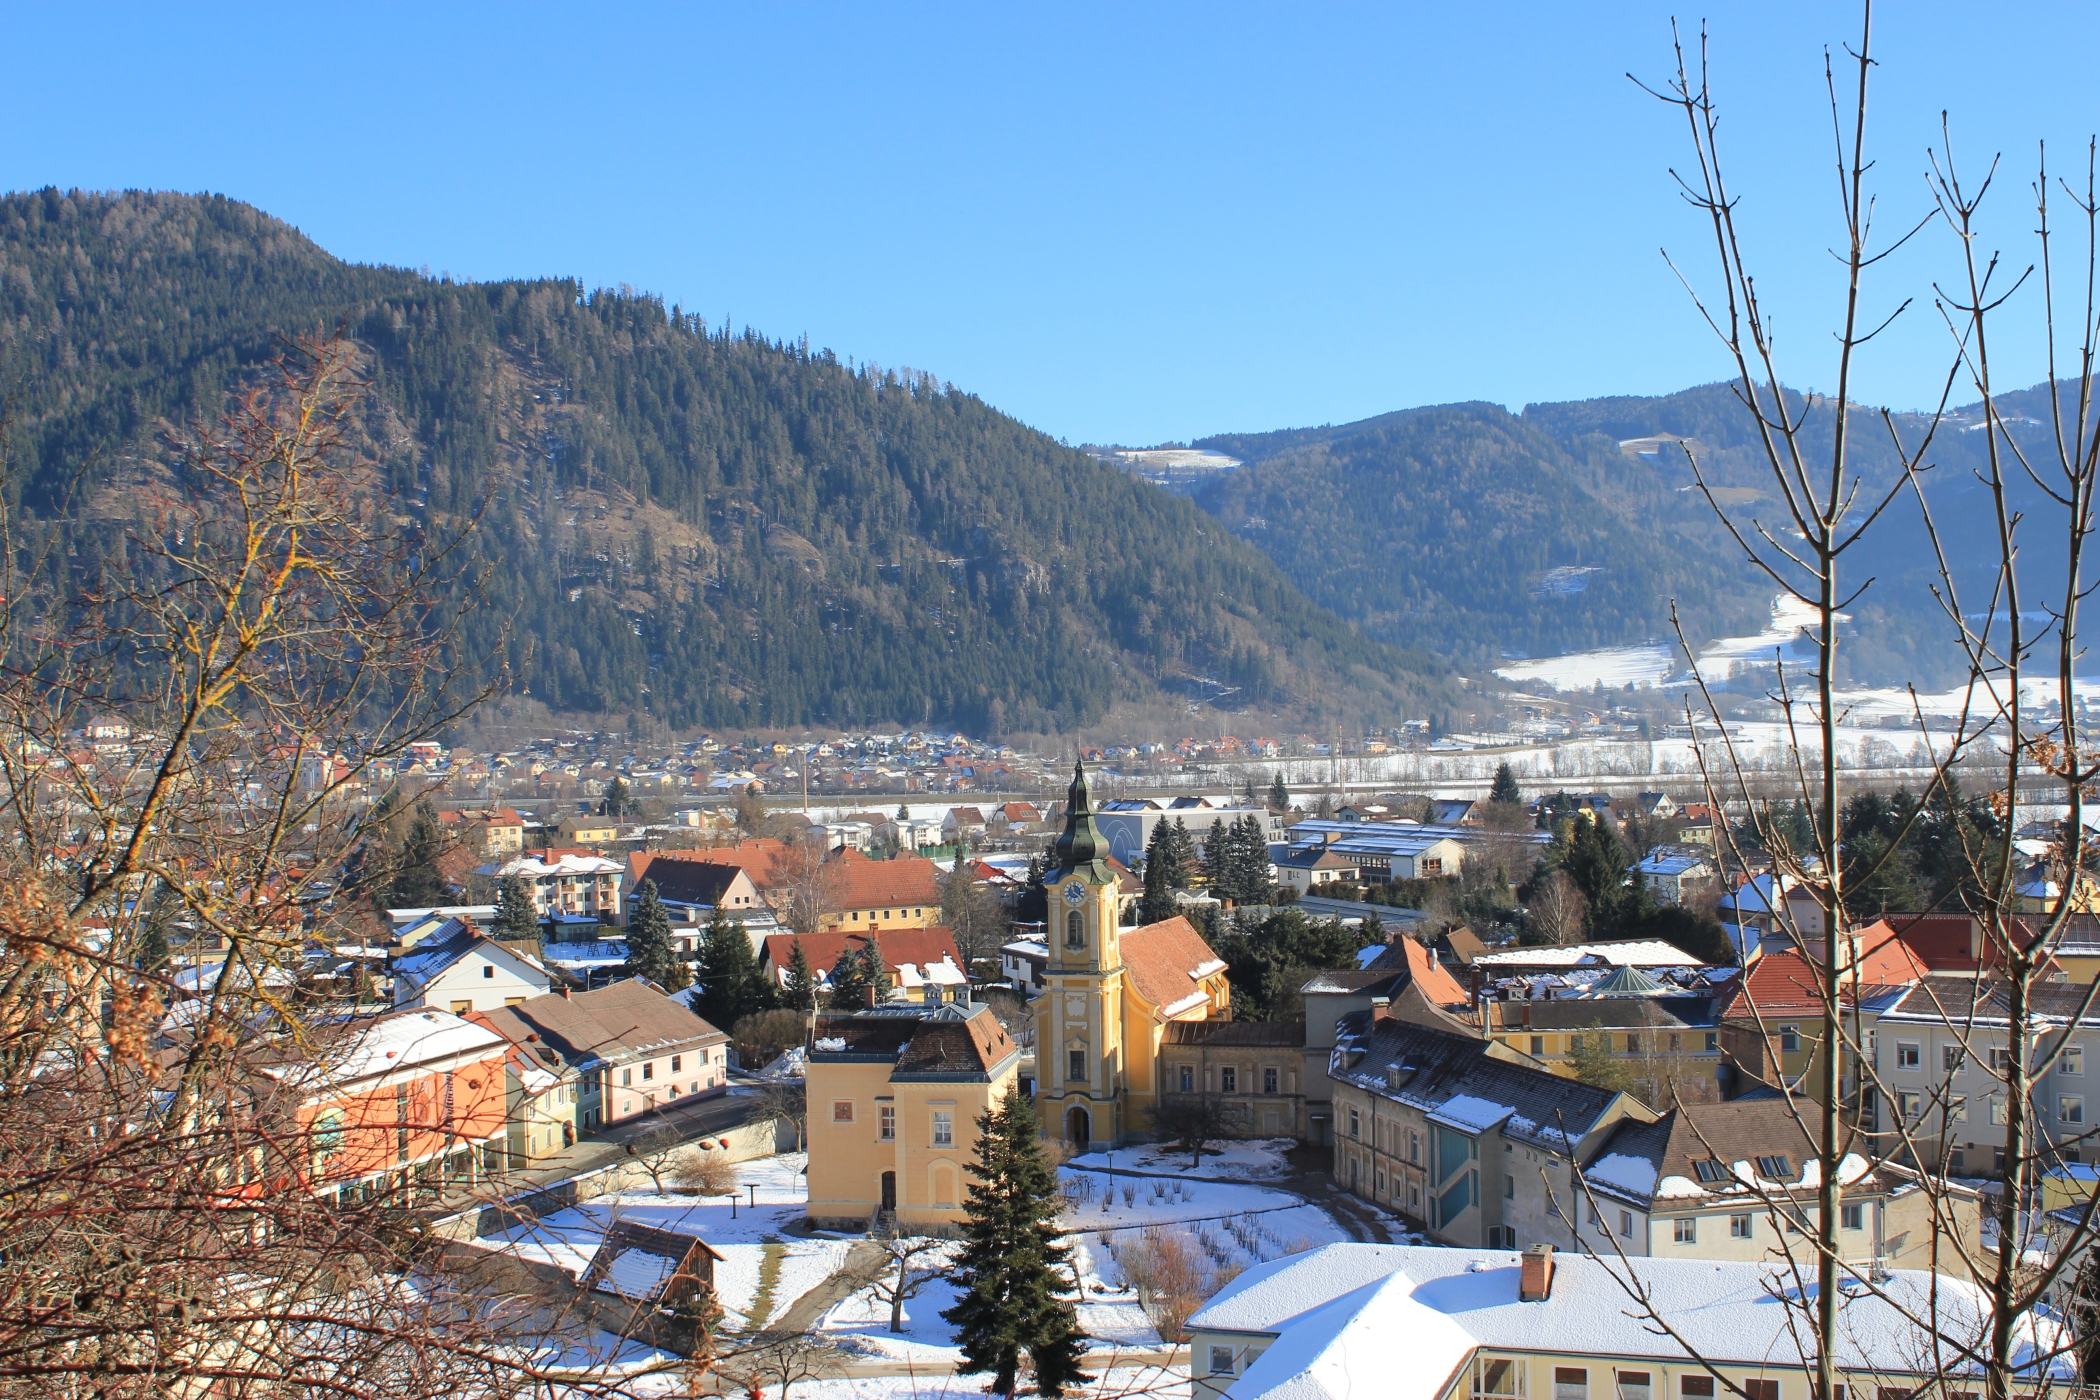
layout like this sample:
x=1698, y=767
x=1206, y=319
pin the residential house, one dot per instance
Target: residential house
x=1022, y=964
x=489, y=832
x=1404, y=975
x=1421, y=1323
x=697, y=888
x=583, y=886
x=1670, y=1044
x=1012, y=817
x=1650, y=955
x=962, y=824
x=1674, y=876
x=1454, y=811
x=1307, y=868
x=882, y=895
x=406, y=1101
x=1477, y=1141
x=1655, y=804
x=550, y=1088
x=894, y=1096
x=587, y=831
x=641, y=1048
x=462, y=969
x=1734, y=1180
x=1250, y=1069
x=1771, y=1018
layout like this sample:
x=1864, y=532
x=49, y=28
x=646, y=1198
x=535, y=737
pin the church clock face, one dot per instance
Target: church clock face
x=1074, y=893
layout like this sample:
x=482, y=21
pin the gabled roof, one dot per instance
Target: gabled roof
x=1760, y=1140
x=1167, y=963
x=899, y=945
x=627, y=1020
x=906, y=882
x=1403, y=954
x=642, y=1262
x=755, y=857
x=1463, y=1081
x=948, y=1042
x=1286, y=1034
x=693, y=881
x=435, y=954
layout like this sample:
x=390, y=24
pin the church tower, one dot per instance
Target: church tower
x=1080, y=1056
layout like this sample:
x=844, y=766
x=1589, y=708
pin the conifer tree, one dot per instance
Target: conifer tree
x=874, y=971
x=1182, y=848
x=849, y=982
x=1012, y=1273
x=153, y=937
x=731, y=987
x=1279, y=795
x=1158, y=903
x=417, y=884
x=650, y=950
x=617, y=799
x=1505, y=787
x=800, y=989
x=515, y=916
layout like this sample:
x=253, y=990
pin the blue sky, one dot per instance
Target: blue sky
x=1119, y=222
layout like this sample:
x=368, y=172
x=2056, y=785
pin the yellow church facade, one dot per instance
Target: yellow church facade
x=1109, y=992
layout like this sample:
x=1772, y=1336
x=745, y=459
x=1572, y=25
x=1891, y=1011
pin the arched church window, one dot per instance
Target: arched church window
x=1075, y=930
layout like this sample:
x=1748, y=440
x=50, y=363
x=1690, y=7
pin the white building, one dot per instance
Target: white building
x=462, y=969
x=585, y=886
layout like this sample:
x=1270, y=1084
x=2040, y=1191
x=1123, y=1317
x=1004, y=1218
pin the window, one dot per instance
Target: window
x=842, y=1110
x=1908, y=1054
x=1713, y=1042
x=1509, y=1188
x=1952, y=1058
x=1571, y=1383
x=488, y=970
x=1760, y=1390
x=1634, y=1385
x=626, y=1077
x=1685, y=1231
x=1739, y=1227
x=1574, y=1045
x=1957, y=1110
x=944, y=1127
x=461, y=1008
x=1998, y=1114
x=1075, y=930
x=1414, y=1147
x=1855, y=1217
x=1075, y=1064
x=887, y=1114
x=1538, y=1045
x=1789, y=1038
x=328, y=1133
x=1626, y=1224
x=1188, y=1079
x=1221, y=1361
x=1907, y=1102
x=1354, y=1124
x=2001, y=1056
x=1228, y=1079
x=1694, y=1386
x=677, y=1062
x=2070, y=1108
x=1498, y=1376
x=1710, y=1170
x=1269, y=1081
x=1776, y=1168
x=2071, y=1061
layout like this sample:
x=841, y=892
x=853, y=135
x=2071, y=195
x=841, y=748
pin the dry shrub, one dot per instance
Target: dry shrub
x=1170, y=1277
x=761, y=1037
x=1056, y=1152
x=706, y=1173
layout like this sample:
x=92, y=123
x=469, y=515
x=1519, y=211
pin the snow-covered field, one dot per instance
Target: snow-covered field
x=1259, y=1160
x=1619, y=667
x=742, y=1234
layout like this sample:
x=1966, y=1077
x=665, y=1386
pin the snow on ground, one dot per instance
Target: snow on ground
x=1614, y=668
x=1149, y=1381
x=861, y=1325
x=570, y=1237
x=1260, y=1160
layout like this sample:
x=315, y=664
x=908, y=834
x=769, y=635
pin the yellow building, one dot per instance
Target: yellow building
x=894, y=1096
x=1109, y=992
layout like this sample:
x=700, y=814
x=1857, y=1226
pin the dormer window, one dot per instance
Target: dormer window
x=1710, y=1170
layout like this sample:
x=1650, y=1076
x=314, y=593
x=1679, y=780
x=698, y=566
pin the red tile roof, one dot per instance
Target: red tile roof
x=907, y=881
x=899, y=945
x=1163, y=961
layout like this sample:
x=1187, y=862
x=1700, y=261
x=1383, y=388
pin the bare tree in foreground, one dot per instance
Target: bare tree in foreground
x=1839, y=479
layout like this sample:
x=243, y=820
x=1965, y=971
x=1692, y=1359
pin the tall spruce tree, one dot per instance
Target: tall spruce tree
x=731, y=986
x=874, y=970
x=1182, y=848
x=153, y=935
x=417, y=884
x=515, y=916
x=1279, y=795
x=849, y=982
x=1158, y=903
x=651, y=953
x=1012, y=1273
x=1505, y=787
x=799, y=989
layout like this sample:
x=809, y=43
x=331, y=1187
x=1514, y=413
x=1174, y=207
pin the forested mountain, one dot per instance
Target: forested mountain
x=713, y=528
x=1469, y=531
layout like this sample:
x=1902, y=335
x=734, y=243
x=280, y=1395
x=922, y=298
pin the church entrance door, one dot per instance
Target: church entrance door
x=1079, y=1127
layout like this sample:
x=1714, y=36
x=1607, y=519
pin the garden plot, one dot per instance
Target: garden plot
x=745, y=1236
x=1259, y=1160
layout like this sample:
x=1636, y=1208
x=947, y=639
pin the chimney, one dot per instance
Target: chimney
x=564, y=991
x=867, y=996
x=1536, y=1282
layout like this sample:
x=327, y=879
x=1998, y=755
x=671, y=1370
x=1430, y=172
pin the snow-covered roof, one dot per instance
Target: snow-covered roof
x=1639, y=952
x=533, y=868
x=1409, y=1316
x=398, y=1040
